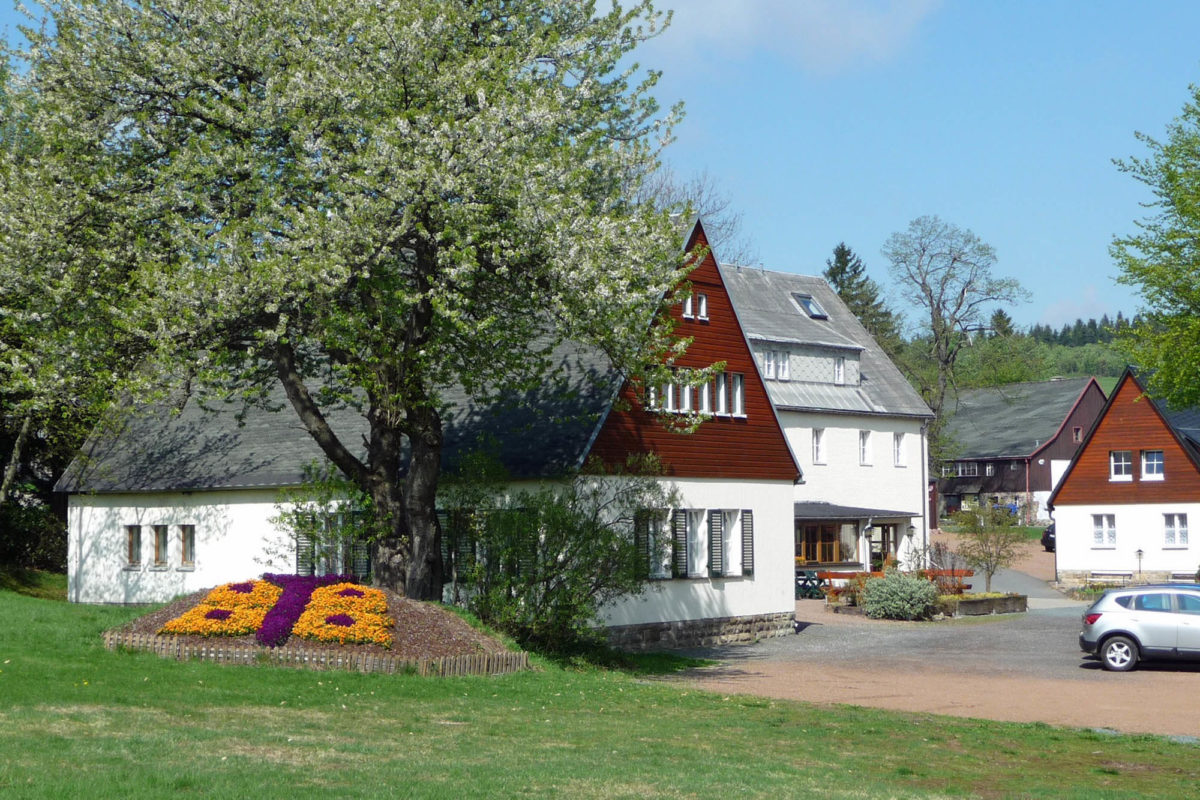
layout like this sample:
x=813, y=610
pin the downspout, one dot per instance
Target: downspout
x=1028, y=494
x=864, y=545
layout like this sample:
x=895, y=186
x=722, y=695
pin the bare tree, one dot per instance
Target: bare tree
x=947, y=271
x=703, y=197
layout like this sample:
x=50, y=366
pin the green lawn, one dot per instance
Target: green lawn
x=82, y=722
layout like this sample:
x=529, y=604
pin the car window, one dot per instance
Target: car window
x=1125, y=601
x=1152, y=602
x=1189, y=603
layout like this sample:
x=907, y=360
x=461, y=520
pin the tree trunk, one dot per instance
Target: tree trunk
x=420, y=497
x=10, y=471
x=391, y=554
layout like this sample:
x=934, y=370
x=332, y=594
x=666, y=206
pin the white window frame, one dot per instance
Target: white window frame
x=687, y=306
x=669, y=395
x=966, y=469
x=768, y=363
x=1104, y=530
x=731, y=534
x=864, y=448
x=898, y=453
x=722, y=398
x=737, y=394
x=989, y=469
x=1175, y=532
x=818, y=445
x=697, y=555
x=702, y=307
x=1120, y=466
x=658, y=531
x=1153, y=470
x=839, y=370
x=705, y=406
x=685, y=399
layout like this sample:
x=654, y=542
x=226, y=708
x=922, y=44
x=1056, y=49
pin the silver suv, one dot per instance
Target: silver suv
x=1143, y=622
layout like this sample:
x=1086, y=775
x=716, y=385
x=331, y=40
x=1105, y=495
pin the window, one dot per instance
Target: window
x=898, y=450
x=687, y=306
x=722, y=394
x=702, y=306
x=839, y=370
x=187, y=545
x=864, y=447
x=1077, y=434
x=1175, y=530
x=948, y=471
x=782, y=366
x=989, y=469
x=775, y=364
x=160, y=545
x=668, y=395
x=809, y=306
x=1104, y=530
x=704, y=403
x=818, y=446
x=1013, y=466
x=133, y=545
x=650, y=532
x=1152, y=465
x=769, y=364
x=1120, y=465
x=737, y=392
x=1188, y=603
x=685, y=398
x=966, y=469
x=697, y=545
x=711, y=543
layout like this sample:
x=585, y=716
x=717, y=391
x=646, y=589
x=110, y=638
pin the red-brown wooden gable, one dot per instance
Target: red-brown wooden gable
x=752, y=447
x=1130, y=424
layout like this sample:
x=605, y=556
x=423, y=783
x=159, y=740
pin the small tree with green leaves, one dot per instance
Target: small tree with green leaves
x=541, y=563
x=990, y=539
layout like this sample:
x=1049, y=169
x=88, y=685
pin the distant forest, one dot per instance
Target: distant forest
x=1080, y=333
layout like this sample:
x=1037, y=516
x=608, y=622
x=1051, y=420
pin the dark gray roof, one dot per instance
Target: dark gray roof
x=763, y=302
x=544, y=432
x=1010, y=421
x=815, y=510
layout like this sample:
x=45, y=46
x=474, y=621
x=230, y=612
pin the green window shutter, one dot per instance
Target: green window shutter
x=747, y=542
x=447, y=541
x=360, y=559
x=679, y=541
x=716, y=544
x=641, y=536
x=305, y=554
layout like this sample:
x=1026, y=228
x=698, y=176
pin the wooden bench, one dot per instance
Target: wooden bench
x=1110, y=576
x=1183, y=577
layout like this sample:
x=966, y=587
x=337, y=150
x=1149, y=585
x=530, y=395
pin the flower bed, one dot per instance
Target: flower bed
x=232, y=609
x=344, y=613
x=297, y=589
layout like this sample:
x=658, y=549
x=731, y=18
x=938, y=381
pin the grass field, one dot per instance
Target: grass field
x=79, y=721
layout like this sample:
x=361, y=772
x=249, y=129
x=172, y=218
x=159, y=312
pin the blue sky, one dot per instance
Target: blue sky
x=834, y=121
x=843, y=120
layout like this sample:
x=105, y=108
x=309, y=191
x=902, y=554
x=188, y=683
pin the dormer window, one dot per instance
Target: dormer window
x=809, y=306
x=839, y=370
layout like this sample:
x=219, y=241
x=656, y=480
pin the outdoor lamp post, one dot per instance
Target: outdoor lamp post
x=1139, y=557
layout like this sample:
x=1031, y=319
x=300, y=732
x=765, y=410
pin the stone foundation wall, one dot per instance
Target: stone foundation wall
x=700, y=632
x=1069, y=578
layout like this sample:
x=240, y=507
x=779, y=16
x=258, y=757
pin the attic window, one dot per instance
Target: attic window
x=809, y=306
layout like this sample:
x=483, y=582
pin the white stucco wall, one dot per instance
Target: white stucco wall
x=235, y=541
x=771, y=589
x=842, y=480
x=1137, y=527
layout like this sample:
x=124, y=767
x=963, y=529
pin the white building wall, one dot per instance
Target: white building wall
x=235, y=541
x=770, y=590
x=1138, y=527
x=841, y=479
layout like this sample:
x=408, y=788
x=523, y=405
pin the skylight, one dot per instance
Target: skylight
x=809, y=306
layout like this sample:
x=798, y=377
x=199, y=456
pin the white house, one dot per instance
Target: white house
x=170, y=503
x=856, y=425
x=1123, y=507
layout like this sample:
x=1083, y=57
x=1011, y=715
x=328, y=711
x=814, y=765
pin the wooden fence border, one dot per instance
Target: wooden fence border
x=299, y=656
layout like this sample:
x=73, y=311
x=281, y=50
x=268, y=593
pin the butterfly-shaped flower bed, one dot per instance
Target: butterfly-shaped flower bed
x=327, y=608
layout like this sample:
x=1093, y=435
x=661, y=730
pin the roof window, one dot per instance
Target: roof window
x=809, y=305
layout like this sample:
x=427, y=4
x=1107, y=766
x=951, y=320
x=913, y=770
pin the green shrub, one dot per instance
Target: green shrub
x=899, y=596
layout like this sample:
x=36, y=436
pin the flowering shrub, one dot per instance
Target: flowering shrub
x=346, y=612
x=278, y=624
x=233, y=609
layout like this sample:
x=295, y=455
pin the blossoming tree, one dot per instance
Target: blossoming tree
x=366, y=201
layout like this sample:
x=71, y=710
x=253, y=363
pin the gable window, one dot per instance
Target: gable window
x=1120, y=465
x=702, y=307
x=1077, y=434
x=160, y=545
x=809, y=306
x=704, y=402
x=133, y=545
x=737, y=394
x=688, y=303
x=1175, y=530
x=839, y=370
x=187, y=545
x=722, y=394
x=818, y=445
x=864, y=448
x=1152, y=465
x=1104, y=530
x=898, y=450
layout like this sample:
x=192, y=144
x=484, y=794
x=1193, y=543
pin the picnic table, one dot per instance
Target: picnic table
x=808, y=585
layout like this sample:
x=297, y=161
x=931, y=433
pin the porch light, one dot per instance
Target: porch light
x=912, y=530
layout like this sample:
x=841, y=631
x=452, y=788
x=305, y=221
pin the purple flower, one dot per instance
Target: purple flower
x=219, y=613
x=297, y=589
x=242, y=588
x=341, y=620
x=350, y=592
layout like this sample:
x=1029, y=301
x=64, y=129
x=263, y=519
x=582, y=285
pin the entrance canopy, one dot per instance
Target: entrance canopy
x=832, y=511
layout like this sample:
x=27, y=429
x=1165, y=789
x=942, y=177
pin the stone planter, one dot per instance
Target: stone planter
x=980, y=606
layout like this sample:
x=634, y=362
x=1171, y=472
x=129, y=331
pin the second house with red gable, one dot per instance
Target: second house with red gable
x=1124, y=506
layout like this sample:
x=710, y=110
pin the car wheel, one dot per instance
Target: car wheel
x=1119, y=653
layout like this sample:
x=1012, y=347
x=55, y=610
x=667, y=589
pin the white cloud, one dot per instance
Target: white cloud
x=822, y=36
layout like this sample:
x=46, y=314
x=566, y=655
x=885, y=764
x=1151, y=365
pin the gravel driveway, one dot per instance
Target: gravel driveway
x=1016, y=667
